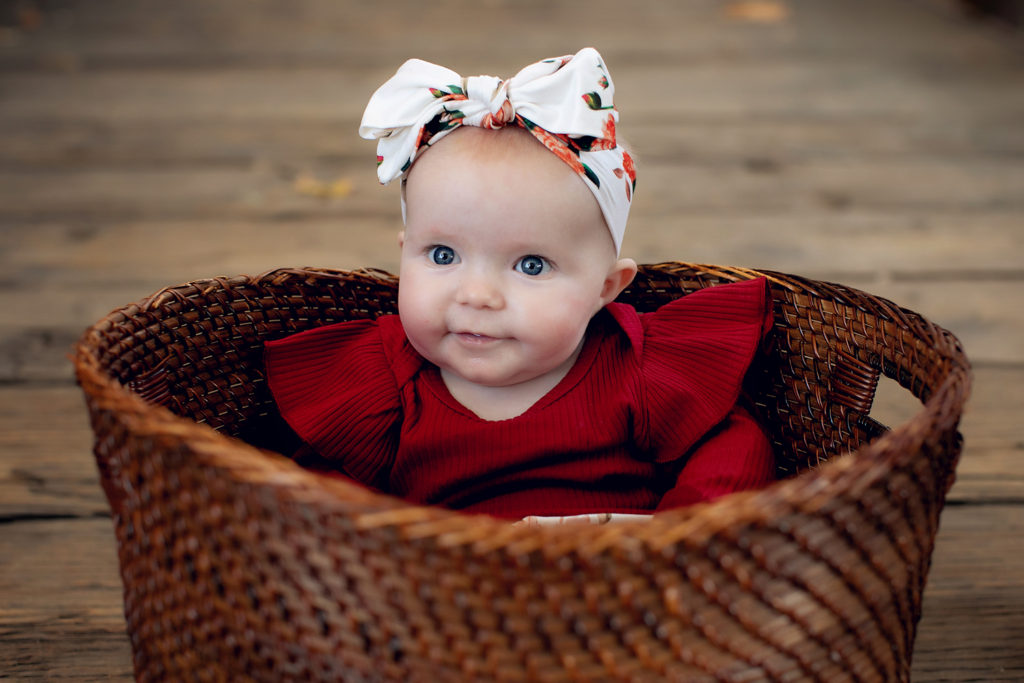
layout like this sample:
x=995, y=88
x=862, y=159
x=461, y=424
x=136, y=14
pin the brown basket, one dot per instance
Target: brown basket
x=239, y=565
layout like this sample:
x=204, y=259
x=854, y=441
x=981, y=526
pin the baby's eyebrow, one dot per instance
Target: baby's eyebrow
x=429, y=231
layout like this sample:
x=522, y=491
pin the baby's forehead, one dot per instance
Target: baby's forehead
x=510, y=144
x=505, y=155
x=514, y=170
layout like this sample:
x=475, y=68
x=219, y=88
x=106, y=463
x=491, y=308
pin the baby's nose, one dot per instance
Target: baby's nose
x=480, y=290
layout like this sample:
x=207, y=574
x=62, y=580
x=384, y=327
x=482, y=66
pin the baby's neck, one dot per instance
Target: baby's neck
x=504, y=403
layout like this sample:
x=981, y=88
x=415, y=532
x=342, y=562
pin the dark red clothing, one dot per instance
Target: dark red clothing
x=646, y=419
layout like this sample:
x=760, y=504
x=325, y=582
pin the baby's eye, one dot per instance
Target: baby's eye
x=533, y=265
x=441, y=255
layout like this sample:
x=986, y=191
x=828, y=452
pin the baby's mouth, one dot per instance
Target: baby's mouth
x=475, y=338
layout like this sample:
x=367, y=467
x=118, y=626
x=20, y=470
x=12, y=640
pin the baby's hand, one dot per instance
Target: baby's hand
x=592, y=518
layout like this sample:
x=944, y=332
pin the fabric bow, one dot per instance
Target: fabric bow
x=565, y=102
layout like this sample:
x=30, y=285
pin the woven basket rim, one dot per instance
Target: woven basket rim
x=846, y=474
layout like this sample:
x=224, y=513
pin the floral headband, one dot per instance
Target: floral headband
x=565, y=102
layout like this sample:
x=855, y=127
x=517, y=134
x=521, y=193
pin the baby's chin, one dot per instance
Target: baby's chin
x=486, y=378
x=491, y=378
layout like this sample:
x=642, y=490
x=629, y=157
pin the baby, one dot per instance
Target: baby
x=510, y=383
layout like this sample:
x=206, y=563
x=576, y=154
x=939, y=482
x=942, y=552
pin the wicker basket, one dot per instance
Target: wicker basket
x=239, y=565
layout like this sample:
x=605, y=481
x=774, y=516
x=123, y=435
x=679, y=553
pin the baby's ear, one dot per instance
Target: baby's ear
x=401, y=239
x=619, y=276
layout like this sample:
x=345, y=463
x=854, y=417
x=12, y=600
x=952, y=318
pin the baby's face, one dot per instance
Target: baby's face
x=505, y=258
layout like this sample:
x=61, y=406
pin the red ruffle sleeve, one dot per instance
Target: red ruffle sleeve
x=337, y=386
x=735, y=456
x=695, y=353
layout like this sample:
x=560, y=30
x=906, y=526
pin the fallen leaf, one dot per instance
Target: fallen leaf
x=310, y=186
x=763, y=11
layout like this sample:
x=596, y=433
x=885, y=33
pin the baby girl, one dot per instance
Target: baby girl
x=510, y=382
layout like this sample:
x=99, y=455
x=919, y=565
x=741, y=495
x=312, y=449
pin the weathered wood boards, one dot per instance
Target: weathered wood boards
x=972, y=624
x=61, y=616
x=144, y=143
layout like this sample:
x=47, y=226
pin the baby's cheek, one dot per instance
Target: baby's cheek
x=416, y=320
x=562, y=325
x=416, y=305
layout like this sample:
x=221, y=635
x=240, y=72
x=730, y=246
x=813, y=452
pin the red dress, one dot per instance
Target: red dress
x=646, y=419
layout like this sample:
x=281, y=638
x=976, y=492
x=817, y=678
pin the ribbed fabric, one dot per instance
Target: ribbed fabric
x=646, y=419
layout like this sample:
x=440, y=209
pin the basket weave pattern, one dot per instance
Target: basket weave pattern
x=239, y=565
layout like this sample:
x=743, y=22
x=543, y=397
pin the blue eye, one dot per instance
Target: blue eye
x=441, y=255
x=533, y=265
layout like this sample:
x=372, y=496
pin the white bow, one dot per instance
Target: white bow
x=569, y=96
x=564, y=95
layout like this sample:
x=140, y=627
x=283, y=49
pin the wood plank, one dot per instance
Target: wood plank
x=861, y=245
x=972, y=625
x=47, y=468
x=201, y=192
x=143, y=257
x=318, y=31
x=766, y=143
x=761, y=143
x=960, y=185
x=793, y=88
x=61, y=616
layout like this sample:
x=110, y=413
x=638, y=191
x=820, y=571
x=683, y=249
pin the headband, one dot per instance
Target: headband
x=565, y=102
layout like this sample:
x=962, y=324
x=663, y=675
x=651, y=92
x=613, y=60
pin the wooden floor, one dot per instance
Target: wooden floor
x=144, y=143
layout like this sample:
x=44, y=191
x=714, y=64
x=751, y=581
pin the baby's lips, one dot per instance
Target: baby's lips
x=477, y=336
